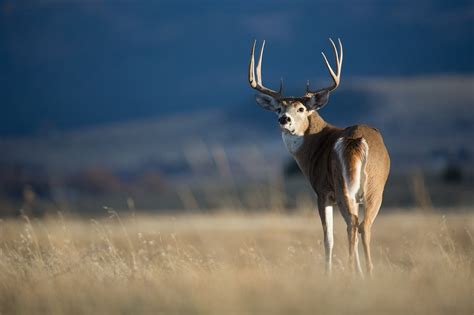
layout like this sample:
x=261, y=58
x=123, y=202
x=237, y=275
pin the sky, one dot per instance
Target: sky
x=67, y=64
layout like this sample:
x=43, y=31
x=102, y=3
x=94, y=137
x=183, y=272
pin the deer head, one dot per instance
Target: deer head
x=293, y=112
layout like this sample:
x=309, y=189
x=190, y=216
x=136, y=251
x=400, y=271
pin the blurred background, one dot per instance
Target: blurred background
x=145, y=105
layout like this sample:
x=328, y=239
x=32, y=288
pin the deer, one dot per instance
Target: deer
x=346, y=167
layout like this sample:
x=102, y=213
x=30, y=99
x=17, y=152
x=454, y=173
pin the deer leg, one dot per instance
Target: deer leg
x=356, y=255
x=352, y=228
x=371, y=210
x=349, y=210
x=326, y=215
x=365, y=231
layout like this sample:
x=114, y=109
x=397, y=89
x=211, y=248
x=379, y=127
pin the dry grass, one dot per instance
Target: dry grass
x=232, y=263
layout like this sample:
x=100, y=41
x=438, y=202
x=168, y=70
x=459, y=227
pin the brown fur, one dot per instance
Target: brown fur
x=320, y=164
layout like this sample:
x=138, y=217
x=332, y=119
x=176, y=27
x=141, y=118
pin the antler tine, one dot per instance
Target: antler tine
x=336, y=54
x=259, y=65
x=252, y=81
x=336, y=76
x=256, y=80
x=331, y=72
x=341, y=54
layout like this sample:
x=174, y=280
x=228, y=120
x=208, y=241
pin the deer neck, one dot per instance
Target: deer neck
x=295, y=143
x=316, y=124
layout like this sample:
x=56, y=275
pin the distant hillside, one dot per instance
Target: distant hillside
x=423, y=119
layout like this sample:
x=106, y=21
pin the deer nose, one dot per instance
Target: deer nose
x=284, y=120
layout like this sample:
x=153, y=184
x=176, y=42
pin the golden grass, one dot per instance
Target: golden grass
x=233, y=263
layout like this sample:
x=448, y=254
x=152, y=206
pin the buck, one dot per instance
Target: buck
x=345, y=167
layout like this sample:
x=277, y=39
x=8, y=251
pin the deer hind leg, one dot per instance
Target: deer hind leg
x=350, y=186
x=356, y=254
x=372, y=207
x=349, y=209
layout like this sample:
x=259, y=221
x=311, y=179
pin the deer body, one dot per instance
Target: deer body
x=334, y=160
x=345, y=167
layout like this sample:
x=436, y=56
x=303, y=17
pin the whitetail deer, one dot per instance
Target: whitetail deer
x=346, y=167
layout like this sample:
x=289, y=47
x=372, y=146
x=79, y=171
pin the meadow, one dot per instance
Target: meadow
x=233, y=262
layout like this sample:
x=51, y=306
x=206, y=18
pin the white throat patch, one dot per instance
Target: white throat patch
x=293, y=142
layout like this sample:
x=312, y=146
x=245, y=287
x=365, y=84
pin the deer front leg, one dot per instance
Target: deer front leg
x=326, y=215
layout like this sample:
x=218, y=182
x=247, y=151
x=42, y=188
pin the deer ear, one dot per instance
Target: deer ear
x=267, y=102
x=318, y=100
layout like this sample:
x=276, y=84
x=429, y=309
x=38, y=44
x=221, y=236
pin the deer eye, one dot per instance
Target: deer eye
x=301, y=109
x=278, y=110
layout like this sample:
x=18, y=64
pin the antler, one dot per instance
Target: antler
x=336, y=77
x=257, y=84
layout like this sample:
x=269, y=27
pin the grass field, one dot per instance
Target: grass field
x=233, y=263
